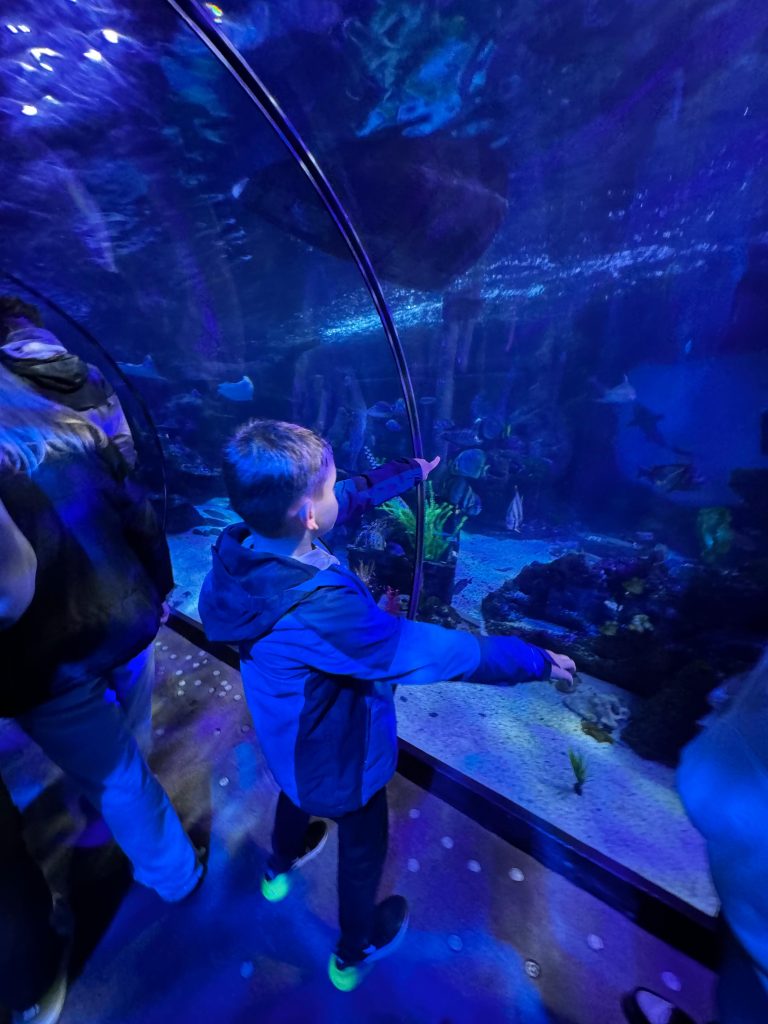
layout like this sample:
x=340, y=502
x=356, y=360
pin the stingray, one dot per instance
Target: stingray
x=426, y=207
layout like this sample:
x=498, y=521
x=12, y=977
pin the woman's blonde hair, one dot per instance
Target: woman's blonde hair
x=32, y=428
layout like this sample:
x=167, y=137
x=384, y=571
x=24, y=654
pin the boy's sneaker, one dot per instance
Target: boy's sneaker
x=48, y=1009
x=275, y=886
x=389, y=928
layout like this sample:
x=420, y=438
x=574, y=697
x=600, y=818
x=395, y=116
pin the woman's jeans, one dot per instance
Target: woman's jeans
x=96, y=742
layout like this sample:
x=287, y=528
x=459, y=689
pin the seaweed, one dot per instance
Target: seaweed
x=438, y=536
x=579, y=765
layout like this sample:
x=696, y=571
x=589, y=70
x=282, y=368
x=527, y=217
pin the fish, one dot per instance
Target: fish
x=619, y=395
x=237, y=391
x=411, y=240
x=463, y=437
x=239, y=187
x=223, y=515
x=646, y=421
x=490, y=427
x=461, y=494
x=461, y=585
x=676, y=476
x=399, y=407
x=380, y=411
x=427, y=400
x=146, y=369
x=393, y=426
x=514, y=519
x=470, y=463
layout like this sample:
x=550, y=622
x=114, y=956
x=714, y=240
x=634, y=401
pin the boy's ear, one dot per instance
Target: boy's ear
x=307, y=515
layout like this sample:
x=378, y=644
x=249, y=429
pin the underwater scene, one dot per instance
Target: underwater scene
x=566, y=205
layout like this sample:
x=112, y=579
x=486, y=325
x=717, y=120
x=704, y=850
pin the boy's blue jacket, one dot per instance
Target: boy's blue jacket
x=319, y=658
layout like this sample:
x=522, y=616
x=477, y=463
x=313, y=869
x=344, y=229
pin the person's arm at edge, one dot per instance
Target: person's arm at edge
x=18, y=567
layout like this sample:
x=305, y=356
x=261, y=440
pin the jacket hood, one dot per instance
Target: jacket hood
x=38, y=356
x=247, y=592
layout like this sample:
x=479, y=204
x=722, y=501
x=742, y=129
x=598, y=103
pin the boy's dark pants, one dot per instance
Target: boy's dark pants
x=362, y=850
x=30, y=950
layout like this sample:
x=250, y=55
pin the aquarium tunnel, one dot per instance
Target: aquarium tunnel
x=529, y=239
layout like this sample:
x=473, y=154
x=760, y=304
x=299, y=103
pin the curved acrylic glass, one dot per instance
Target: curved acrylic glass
x=148, y=198
x=567, y=206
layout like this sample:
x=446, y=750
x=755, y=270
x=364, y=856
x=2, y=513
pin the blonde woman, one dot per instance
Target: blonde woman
x=103, y=572
x=39, y=358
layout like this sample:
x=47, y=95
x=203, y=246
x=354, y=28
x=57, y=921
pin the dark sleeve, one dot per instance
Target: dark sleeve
x=141, y=525
x=356, y=639
x=358, y=494
x=510, y=659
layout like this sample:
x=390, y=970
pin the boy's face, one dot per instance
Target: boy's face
x=324, y=506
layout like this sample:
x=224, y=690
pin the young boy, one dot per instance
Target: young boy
x=319, y=660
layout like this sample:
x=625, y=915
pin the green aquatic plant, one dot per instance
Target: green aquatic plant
x=579, y=765
x=437, y=536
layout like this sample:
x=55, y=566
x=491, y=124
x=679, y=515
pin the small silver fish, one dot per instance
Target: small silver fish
x=514, y=518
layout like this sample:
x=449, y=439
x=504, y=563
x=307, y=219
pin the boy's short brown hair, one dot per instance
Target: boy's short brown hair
x=268, y=465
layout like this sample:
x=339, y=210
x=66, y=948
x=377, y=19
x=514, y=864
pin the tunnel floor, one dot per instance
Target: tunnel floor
x=494, y=935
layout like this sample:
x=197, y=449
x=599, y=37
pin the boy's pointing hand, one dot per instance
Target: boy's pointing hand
x=563, y=667
x=427, y=467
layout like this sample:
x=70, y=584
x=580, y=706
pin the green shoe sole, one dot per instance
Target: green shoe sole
x=350, y=978
x=275, y=889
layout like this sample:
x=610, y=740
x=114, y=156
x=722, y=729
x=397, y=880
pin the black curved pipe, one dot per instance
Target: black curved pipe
x=222, y=48
x=135, y=394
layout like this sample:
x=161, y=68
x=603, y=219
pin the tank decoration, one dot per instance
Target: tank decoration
x=366, y=573
x=713, y=526
x=373, y=536
x=596, y=733
x=603, y=710
x=666, y=721
x=635, y=585
x=585, y=603
x=640, y=624
x=393, y=602
x=439, y=532
x=579, y=766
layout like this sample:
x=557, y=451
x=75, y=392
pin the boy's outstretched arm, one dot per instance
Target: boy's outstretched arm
x=360, y=493
x=356, y=639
